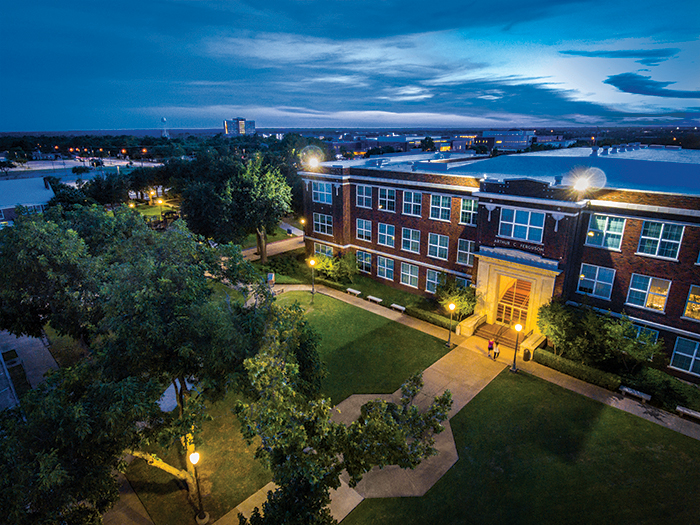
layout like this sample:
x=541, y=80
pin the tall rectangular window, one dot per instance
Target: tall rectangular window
x=440, y=207
x=686, y=355
x=412, y=201
x=432, y=278
x=470, y=209
x=387, y=199
x=521, y=224
x=605, y=231
x=386, y=235
x=364, y=196
x=364, y=230
x=465, y=252
x=437, y=245
x=323, y=224
x=648, y=292
x=660, y=239
x=385, y=268
x=692, y=306
x=322, y=192
x=410, y=240
x=364, y=262
x=652, y=334
x=596, y=281
x=409, y=274
x=322, y=249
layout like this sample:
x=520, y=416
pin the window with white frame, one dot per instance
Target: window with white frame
x=386, y=234
x=660, y=239
x=323, y=224
x=410, y=240
x=387, y=199
x=692, y=306
x=596, y=281
x=322, y=249
x=462, y=282
x=364, y=230
x=605, y=231
x=364, y=196
x=412, y=202
x=432, y=278
x=385, y=268
x=322, y=192
x=648, y=292
x=440, y=207
x=470, y=209
x=409, y=274
x=652, y=334
x=686, y=355
x=437, y=245
x=364, y=262
x=465, y=252
x=521, y=224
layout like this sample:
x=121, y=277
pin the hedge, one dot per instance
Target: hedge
x=430, y=317
x=577, y=370
x=666, y=391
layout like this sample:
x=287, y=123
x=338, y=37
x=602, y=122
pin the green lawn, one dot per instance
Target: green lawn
x=277, y=235
x=533, y=453
x=153, y=211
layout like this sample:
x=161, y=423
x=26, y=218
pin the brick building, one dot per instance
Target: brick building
x=522, y=229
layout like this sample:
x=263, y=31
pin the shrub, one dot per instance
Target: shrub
x=577, y=370
x=331, y=284
x=429, y=317
x=666, y=391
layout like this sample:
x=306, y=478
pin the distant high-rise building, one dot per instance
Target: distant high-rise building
x=239, y=126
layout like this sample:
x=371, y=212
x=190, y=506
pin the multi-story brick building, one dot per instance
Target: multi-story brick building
x=523, y=229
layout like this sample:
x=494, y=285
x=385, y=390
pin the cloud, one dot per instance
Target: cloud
x=647, y=57
x=641, y=85
x=407, y=94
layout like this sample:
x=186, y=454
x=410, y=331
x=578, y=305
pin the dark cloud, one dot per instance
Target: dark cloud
x=641, y=85
x=648, y=57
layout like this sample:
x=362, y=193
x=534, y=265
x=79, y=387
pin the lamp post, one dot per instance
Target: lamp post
x=448, y=344
x=202, y=517
x=517, y=327
x=303, y=226
x=312, y=263
x=160, y=204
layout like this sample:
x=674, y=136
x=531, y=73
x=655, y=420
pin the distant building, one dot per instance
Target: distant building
x=33, y=194
x=511, y=140
x=239, y=126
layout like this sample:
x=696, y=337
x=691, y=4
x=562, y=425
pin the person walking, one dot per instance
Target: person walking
x=496, y=351
x=490, y=347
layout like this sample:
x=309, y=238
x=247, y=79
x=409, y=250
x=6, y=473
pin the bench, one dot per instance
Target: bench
x=687, y=412
x=398, y=307
x=635, y=393
x=353, y=291
x=374, y=299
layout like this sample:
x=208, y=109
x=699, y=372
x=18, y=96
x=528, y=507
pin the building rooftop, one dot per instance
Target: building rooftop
x=26, y=192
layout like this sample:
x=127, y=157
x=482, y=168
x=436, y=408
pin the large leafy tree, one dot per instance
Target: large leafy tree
x=448, y=291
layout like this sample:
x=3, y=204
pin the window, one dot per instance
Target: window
x=648, y=292
x=432, y=278
x=364, y=230
x=596, y=281
x=440, y=207
x=461, y=282
x=385, y=268
x=323, y=224
x=387, y=199
x=410, y=240
x=437, y=245
x=465, y=252
x=364, y=262
x=686, y=355
x=364, y=196
x=521, y=224
x=386, y=235
x=470, y=210
x=412, y=203
x=605, y=232
x=660, y=239
x=321, y=192
x=409, y=275
x=653, y=335
x=322, y=249
x=692, y=307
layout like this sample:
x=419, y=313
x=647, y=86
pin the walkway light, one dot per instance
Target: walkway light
x=451, y=307
x=202, y=517
x=312, y=263
x=518, y=327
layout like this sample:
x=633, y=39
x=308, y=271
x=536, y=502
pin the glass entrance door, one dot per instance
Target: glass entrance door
x=513, y=304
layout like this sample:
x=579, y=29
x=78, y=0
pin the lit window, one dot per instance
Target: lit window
x=321, y=192
x=364, y=196
x=465, y=252
x=412, y=203
x=364, y=262
x=660, y=239
x=596, y=281
x=440, y=207
x=385, y=268
x=648, y=292
x=323, y=224
x=322, y=249
x=410, y=240
x=470, y=209
x=432, y=278
x=520, y=224
x=364, y=230
x=386, y=235
x=387, y=199
x=605, y=232
x=692, y=307
x=686, y=355
x=409, y=275
x=437, y=245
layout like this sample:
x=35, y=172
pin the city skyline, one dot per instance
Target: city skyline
x=85, y=65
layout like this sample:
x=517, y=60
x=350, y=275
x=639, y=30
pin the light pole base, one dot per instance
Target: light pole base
x=202, y=519
x=513, y=369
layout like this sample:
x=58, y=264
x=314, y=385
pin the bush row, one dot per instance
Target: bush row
x=430, y=317
x=666, y=391
x=577, y=370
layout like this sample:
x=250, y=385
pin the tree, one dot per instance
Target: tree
x=112, y=188
x=463, y=297
x=79, y=170
x=557, y=322
x=340, y=269
x=427, y=144
x=6, y=165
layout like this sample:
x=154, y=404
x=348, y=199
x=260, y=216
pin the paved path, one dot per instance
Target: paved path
x=274, y=248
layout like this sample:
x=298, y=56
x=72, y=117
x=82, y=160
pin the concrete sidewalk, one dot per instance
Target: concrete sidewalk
x=275, y=248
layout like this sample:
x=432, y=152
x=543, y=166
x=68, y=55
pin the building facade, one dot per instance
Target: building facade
x=239, y=126
x=522, y=230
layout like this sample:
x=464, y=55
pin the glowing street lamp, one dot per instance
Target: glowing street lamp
x=160, y=203
x=202, y=517
x=448, y=344
x=312, y=263
x=313, y=162
x=581, y=185
x=518, y=327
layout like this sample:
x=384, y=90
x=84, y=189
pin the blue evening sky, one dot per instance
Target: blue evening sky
x=93, y=64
